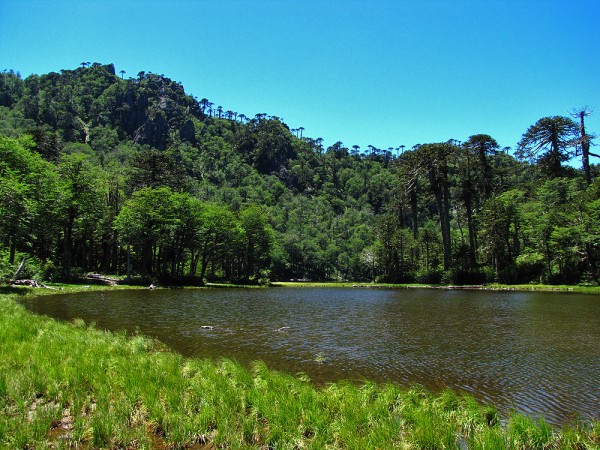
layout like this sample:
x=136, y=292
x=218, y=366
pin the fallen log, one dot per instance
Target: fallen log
x=102, y=278
x=32, y=283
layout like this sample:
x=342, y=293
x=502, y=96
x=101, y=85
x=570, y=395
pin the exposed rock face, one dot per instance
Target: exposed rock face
x=154, y=133
x=188, y=132
x=148, y=115
x=134, y=110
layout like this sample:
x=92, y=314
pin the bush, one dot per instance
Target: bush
x=31, y=270
x=530, y=266
x=50, y=271
x=5, y=267
x=430, y=277
x=466, y=277
x=265, y=277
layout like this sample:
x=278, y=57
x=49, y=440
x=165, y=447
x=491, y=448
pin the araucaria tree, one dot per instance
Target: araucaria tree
x=435, y=162
x=553, y=137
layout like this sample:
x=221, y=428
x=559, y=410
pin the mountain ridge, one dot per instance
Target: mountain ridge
x=426, y=214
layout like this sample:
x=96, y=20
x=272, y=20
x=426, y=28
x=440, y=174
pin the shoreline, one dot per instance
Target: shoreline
x=63, y=287
x=482, y=287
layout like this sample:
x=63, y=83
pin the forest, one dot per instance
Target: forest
x=100, y=173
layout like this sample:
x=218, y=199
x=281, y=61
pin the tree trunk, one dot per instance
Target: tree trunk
x=548, y=259
x=146, y=264
x=446, y=239
x=13, y=251
x=18, y=272
x=204, y=261
x=585, y=149
x=487, y=172
x=414, y=212
x=555, y=157
x=443, y=205
x=472, y=231
x=68, y=248
x=128, y=261
x=194, y=259
x=589, y=256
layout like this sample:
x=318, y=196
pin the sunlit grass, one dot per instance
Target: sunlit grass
x=546, y=288
x=343, y=284
x=492, y=286
x=70, y=385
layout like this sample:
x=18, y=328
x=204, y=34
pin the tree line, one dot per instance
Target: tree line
x=99, y=173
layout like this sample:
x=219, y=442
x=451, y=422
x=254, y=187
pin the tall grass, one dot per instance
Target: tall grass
x=70, y=385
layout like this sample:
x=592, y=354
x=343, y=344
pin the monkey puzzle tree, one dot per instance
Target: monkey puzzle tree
x=483, y=145
x=409, y=170
x=475, y=182
x=433, y=160
x=553, y=136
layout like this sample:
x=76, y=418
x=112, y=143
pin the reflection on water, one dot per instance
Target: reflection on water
x=538, y=353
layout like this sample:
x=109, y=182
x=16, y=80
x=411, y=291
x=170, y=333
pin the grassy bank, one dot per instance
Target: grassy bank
x=485, y=287
x=68, y=384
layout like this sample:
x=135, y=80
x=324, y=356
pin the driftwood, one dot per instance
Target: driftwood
x=31, y=283
x=102, y=278
x=26, y=282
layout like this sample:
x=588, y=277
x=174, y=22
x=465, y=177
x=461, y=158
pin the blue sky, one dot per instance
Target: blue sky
x=385, y=73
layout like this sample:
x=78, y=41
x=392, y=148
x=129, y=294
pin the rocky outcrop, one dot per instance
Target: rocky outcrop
x=153, y=132
x=188, y=132
x=134, y=110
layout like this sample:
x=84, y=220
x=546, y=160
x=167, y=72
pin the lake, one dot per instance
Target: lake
x=534, y=352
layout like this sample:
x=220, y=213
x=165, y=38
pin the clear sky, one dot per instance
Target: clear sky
x=385, y=73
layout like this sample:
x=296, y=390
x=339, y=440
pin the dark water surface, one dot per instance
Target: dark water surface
x=538, y=353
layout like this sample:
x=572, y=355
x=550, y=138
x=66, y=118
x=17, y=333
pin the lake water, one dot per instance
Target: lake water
x=538, y=353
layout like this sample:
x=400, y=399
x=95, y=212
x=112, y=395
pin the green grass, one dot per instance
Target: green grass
x=545, y=287
x=490, y=287
x=343, y=284
x=67, y=385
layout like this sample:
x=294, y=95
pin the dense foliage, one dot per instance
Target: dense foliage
x=134, y=176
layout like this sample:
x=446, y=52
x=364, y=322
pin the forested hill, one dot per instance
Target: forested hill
x=102, y=173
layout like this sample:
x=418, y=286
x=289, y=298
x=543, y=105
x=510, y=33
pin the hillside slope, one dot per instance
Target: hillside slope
x=117, y=169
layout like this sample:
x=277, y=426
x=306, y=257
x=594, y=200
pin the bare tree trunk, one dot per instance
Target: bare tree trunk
x=584, y=141
x=13, y=251
x=18, y=272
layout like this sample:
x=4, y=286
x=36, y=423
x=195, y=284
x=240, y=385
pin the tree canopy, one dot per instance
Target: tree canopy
x=99, y=172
